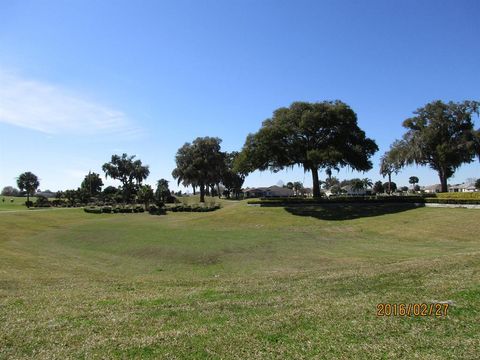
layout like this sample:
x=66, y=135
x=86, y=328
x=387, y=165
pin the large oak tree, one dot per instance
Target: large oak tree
x=200, y=163
x=231, y=178
x=322, y=135
x=129, y=171
x=391, y=162
x=92, y=184
x=442, y=136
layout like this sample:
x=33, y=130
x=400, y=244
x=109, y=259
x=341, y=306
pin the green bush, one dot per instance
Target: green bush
x=107, y=209
x=156, y=210
x=92, y=210
x=193, y=208
x=42, y=201
x=59, y=203
x=170, y=199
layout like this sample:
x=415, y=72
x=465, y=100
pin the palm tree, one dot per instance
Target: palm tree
x=413, y=180
x=391, y=163
x=145, y=195
x=357, y=184
x=141, y=172
x=162, y=190
x=367, y=183
x=297, y=186
x=28, y=182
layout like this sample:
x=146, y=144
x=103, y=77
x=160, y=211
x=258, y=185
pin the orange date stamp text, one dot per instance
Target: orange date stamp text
x=413, y=309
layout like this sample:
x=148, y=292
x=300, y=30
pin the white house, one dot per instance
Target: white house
x=271, y=191
x=465, y=187
x=432, y=189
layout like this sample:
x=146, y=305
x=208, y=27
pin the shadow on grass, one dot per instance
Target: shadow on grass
x=347, y=211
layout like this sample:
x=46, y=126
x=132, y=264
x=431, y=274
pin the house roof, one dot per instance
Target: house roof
x=256, y=189
x=432, y=187
x=467, y=186
x=276, y=189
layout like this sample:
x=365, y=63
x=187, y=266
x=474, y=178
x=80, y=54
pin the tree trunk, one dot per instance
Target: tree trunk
x=202, y=193
x=316, y=183
x=28, y=199
x=443, y=181
x=194, y=192
x=389, y=183
x=218, y=190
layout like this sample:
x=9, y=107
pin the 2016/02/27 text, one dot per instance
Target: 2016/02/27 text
x=413, y=309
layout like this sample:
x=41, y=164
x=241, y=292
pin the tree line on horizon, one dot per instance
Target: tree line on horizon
x=320, y=136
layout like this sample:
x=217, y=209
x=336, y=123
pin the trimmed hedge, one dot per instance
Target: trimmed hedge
x=453, y=201
x=364, y=199
x=340, y=200
x=192, y=208
x=459, y=195
x=156, y=210
x=92, y=210
x=107, y=209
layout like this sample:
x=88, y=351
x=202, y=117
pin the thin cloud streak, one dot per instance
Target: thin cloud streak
x=53, y=110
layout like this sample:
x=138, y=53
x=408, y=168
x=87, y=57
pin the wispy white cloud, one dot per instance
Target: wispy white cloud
x=52, y=109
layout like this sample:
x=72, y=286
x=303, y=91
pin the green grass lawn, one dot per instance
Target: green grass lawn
x=241, y=282
x=18, y=203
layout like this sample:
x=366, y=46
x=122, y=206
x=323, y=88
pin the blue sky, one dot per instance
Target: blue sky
x=82, y=80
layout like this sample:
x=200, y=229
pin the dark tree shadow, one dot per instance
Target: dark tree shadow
x=348, y=211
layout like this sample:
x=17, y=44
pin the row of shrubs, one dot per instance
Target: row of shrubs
x=471, y=201
x=459, y=195
x=43, y=202
x=339, y=199
x=153, y=209
x=364, y=199
x=157, y=210
x=114, y=209
x=193, y=208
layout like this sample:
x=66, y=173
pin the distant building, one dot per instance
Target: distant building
x=306, y=192
x=465, y=187
x=271, y=191
x=432, y=189
x=47, y=193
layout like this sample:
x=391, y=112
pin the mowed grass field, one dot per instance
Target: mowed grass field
x=239, y=283
x=11, y=203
